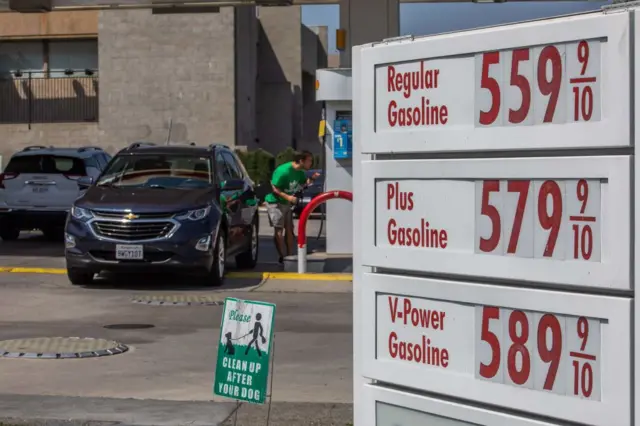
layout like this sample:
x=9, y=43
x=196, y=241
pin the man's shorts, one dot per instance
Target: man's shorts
x=280, y=215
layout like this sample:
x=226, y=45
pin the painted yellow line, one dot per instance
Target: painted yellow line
x=25, y=270
x=246, y=275
x=292, y=276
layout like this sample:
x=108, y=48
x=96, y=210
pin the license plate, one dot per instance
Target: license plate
x=129, y=252
x=40, y=189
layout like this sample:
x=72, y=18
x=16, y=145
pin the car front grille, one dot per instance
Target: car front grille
x=132, y=231
x=123, y=215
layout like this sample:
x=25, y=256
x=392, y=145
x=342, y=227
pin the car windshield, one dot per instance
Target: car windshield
x=158, y=171
x=46, y=164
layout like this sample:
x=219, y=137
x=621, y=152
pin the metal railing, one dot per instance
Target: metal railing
x=30, y=97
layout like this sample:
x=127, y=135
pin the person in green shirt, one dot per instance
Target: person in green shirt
x=287, y=179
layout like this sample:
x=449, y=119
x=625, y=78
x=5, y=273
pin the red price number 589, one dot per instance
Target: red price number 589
x=533, y=347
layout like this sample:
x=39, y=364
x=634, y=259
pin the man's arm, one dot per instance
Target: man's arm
x=282, y=194
x=276, y=183
x=315, y=176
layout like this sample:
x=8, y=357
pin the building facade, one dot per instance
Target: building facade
x=241, y=76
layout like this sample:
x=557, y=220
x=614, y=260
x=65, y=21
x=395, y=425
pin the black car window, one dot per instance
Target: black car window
x=97, y=158
x=105, y=158
x=158, y=170
x=221, y=168
x=234, y=170
x=101, y=160
x=92, y=162
x=45, y=164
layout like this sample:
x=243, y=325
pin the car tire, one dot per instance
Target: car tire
x=215, y=277
x=249, y=258
x=78, y=276
x=9, y=234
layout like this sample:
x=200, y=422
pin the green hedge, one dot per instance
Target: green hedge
x=260, y=164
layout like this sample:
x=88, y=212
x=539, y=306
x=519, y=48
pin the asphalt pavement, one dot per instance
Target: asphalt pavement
x=166, y=376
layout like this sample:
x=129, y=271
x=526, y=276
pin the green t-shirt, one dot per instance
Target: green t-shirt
x=288, y=180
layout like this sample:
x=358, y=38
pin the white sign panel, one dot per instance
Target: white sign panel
x=541, y=351
x=547, y=352
x=393, y=407
x=552, y=84
x=555, y=220
x=392, y=415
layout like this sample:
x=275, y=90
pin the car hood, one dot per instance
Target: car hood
x=144, y=200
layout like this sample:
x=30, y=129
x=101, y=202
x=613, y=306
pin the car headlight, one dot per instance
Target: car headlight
x=197, y=214
x=80, y=213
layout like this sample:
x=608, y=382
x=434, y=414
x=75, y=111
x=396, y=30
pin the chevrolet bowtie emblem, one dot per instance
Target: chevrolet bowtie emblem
x=131, y=216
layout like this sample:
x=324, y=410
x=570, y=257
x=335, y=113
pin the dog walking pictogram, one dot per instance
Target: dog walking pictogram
x=228, y=346
x=258, y=331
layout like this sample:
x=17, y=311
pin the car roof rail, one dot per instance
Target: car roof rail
x=187, y=143
x=35, y=147
x=218, y=145
x=140, y=145
x=88, y=148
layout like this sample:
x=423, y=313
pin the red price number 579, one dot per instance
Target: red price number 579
x=543, y=225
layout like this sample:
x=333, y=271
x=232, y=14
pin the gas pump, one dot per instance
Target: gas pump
x=333, y=87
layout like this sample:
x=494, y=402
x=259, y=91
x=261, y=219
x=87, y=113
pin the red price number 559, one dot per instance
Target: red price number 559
x=537, y=76
x=533, y=346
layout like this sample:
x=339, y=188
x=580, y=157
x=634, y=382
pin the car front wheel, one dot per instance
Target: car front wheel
x=215, y=277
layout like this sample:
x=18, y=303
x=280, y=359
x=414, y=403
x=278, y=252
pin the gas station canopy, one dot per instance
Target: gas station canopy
x=52, y=5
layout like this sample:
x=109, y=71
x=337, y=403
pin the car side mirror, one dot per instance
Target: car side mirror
x=232, y=185
x=85, y=182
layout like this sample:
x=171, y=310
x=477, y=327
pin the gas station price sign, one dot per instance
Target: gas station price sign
x=536, y=350
x=486, y=90
x=496, y=223
x=521, y=350
x=494, y=218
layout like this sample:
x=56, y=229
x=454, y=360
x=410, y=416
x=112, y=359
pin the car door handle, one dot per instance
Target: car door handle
x=40, y=182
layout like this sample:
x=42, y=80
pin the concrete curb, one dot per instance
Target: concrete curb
x=62, y=410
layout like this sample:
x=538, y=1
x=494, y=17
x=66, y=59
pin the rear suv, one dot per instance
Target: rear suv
x=157, y=208
x=39, y=185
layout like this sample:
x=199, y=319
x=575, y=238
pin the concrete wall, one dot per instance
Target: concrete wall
x=157, y=67
x=333, y=60
x=50, y=25
x=315, y=45
x=279, y=110
x=246, y=33
x=221, y=76
x=14, y=137
x=309, y=49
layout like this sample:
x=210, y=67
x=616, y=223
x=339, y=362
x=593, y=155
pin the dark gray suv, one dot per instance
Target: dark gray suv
x=156, y=208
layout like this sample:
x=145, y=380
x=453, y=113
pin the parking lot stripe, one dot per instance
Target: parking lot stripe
x=232, y=275
x=292, y=276
x=25, y=270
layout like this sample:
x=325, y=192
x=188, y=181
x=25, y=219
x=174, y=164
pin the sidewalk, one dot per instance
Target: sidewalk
x=75, y=411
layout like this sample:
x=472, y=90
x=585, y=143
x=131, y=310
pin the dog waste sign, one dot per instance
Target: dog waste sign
x=244, y=350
